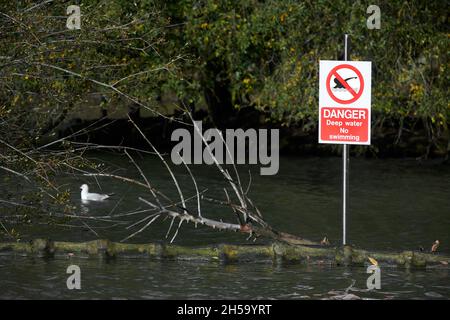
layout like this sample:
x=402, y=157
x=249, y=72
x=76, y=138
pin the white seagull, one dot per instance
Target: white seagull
x=86, y=196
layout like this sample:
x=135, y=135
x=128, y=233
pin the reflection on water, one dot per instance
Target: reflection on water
x=394, y=205
x=84, y=207
x=144, y=279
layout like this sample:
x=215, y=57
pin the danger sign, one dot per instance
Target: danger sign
x=344, y=102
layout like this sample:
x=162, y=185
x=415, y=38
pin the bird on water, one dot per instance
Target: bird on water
x=87, y=196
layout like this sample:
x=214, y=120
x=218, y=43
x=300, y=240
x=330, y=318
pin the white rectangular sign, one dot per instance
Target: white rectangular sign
x=345, y=102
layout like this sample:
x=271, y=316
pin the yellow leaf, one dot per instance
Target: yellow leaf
x=373, y=261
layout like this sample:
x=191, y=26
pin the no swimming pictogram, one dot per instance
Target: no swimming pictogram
x=345, y=84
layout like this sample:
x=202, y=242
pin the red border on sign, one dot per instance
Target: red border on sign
x=355, y=95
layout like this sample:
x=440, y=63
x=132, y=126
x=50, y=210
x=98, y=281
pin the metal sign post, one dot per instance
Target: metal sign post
x=344, y=111
x=345, y=161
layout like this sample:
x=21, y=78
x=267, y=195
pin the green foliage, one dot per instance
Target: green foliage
x=264, y=53
x=267, y=53
x=48, y=69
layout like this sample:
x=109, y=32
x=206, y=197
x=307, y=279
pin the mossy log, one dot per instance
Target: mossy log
x=227, y=253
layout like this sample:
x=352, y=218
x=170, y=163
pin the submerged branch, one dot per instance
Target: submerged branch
x=274, y=253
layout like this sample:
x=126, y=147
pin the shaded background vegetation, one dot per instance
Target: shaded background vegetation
x=265, y=54
x=226, y=56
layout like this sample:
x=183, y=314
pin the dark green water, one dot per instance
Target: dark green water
x=394, y=205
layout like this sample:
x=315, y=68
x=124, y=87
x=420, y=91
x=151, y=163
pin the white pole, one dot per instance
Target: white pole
x=345, y=160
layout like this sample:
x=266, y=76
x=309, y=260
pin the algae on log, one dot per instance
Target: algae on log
x=276, y=252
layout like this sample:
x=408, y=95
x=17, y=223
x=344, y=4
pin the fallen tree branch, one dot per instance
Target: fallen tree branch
x=276, y=252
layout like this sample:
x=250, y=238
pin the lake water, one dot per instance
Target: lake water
x=393, y=205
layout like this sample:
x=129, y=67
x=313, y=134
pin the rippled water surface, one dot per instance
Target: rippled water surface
x=394, y=205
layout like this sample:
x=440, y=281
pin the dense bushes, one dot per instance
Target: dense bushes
x=226, y=54
x=265, y=54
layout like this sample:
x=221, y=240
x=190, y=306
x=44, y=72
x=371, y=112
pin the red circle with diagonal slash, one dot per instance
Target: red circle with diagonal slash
x=355, y=95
